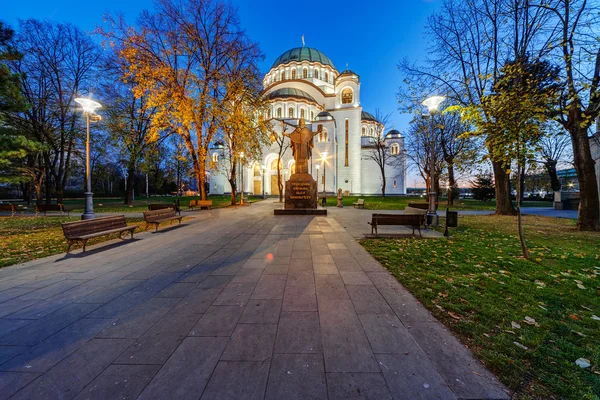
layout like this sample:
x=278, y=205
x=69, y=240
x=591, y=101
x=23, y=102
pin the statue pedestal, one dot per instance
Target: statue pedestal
x=301, y=196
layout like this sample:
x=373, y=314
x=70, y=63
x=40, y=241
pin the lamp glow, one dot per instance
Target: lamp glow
x=433, y=103
x=324, y=155
x=89, y=106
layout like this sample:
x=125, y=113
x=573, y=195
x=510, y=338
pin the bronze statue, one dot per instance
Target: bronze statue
x=302, y=144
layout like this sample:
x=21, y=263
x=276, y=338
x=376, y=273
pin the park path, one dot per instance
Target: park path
x=236, y=304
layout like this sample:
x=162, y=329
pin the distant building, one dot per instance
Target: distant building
x=304, y=83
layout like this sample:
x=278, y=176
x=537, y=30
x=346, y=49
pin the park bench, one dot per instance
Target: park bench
x=44, y=208
x=13, y=208
x=201, y=204
x=85, y=230
x=360, y=203
x=157, y=216
x=174, y=206
x=421, y=206
x=413, y=220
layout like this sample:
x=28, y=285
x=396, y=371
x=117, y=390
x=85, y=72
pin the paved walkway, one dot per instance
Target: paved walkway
x=238, y=304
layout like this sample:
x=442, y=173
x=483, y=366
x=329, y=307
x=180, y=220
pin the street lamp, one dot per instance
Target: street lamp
x=433, y=104
x=324, y=158
x=242, y=172
x=89, y=107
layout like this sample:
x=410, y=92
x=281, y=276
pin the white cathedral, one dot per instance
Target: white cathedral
x=304, y=83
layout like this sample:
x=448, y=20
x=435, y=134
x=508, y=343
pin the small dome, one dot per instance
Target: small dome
x=218, y=145
x=365, y=116
x=290, y=92
x=348, y=72
x=324, y=116
x=302, y=54
x=393, y=134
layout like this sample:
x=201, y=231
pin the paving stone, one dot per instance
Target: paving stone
x=238, y=380
x=276, y=269
x=12, y=382
x=407, y=309
x=355, y=278
x=177, y=289
x=261, y=312
x=387, y=334
x=305, y=278
x=70, y=376
x=215, y=282
x=270, y=287
x=187, y=371
x=299, y=332
x=10, y=325
x=300, y=264
x=336, y=246
x=301, y=253
x=300, y=298
x=368, y=300
x=466, y=376
x=108, y=294
x=297, y=377
x=9, y=352
x=57, y=347
x=255, y=263
x=39, y=330
x=48, y=280
x=14, y=292
x=14, y=305
x=158, y=282
x=325, y=269
x=218, y=321
x=322, y=259
x=51, y=290
x=121, y=304
x=135, y=323
x=195, y=275
x=228, y=268
x=248, y=275
x=345, y=344
x=197, y=302
x=251, y=342
x=119, y=382
x=235, y=294
x=353, y=386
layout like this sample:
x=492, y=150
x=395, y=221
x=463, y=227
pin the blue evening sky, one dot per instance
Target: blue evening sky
x=372, y=37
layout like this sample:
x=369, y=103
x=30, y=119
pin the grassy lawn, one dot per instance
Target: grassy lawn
x=528, y=321
x=399, y=203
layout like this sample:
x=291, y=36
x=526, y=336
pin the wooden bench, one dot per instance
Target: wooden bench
x=85, y=230
x=201, y=204
x=157, y=216
x=420, y=206
x=360, y=203
x=174, y=206
x=13, y=208
x=413, y=220
x=44, y=208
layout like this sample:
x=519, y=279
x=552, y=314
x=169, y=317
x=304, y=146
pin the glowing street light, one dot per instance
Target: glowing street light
x=432, y=103
x=89, y=107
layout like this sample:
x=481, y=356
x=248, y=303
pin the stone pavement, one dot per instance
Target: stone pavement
x=237, y=304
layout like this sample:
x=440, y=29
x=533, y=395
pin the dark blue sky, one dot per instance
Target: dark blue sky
x=372, y=37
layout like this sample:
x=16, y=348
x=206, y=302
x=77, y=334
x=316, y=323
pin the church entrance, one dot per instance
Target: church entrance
x=274, y=186
x=257, y=187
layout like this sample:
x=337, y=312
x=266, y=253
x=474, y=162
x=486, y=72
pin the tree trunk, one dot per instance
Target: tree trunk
x=383, y=184
x=451, y=183
x=551, y=169
x=589, y=206
x=233, y=190
x=504, y=204
x=519, y=219
x=522, y=185
x=49, y=189
x=130, y=183
x=279, y=183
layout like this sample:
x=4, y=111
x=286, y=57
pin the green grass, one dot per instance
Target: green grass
x=399, y=203
x=478, y=284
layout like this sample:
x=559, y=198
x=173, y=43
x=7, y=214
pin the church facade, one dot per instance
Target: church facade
x=304, y=83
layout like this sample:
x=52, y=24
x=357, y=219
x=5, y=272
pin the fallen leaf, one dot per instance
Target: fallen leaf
x=580, y=286
x=453, y=315
x=583, y=362
x=574, y=317
x=595, y=317
x=515, y=325
x=579, y=333
x=522, y=346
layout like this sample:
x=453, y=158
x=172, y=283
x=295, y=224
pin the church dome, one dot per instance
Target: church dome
x=290, y=92
x=324, y=116
x=365, y=116
x=302, y=54
x=393, y=134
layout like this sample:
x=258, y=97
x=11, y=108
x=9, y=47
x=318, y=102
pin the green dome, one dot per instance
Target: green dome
x=303, y=54
x=290, y=92
x=365, y=116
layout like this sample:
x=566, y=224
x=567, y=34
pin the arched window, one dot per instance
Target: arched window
x=326, y=77
x=293, y=74
x=256, y=170
x=274, y=164
x=312, y=115
x=324, y=135
x=305, y=73
x=347, y=96
x=395, y=149
x=316, y=74
x=291, y=112
x=372, y=132
x=364, y=131
x=279, y=111
x=321, y=134
x=346, y=155
x=302, y=113
x=283, y=75
x=215, y=157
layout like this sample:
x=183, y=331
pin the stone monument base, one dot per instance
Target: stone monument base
x=301, y=196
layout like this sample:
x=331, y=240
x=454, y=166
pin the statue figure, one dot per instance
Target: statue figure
x=339, y=198
x=302, y=144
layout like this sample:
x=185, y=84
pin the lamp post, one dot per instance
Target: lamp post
x=324, y=158
x=89, y=107
x=242, y=172
x=433, y=104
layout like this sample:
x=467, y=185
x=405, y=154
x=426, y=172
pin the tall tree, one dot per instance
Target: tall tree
x=379, y=151
x=282, y=145
x=554, y=150
x=179, y=57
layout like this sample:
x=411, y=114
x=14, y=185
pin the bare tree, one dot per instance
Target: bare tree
x=555, y=149
x=282, y=146
x=380, y=152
